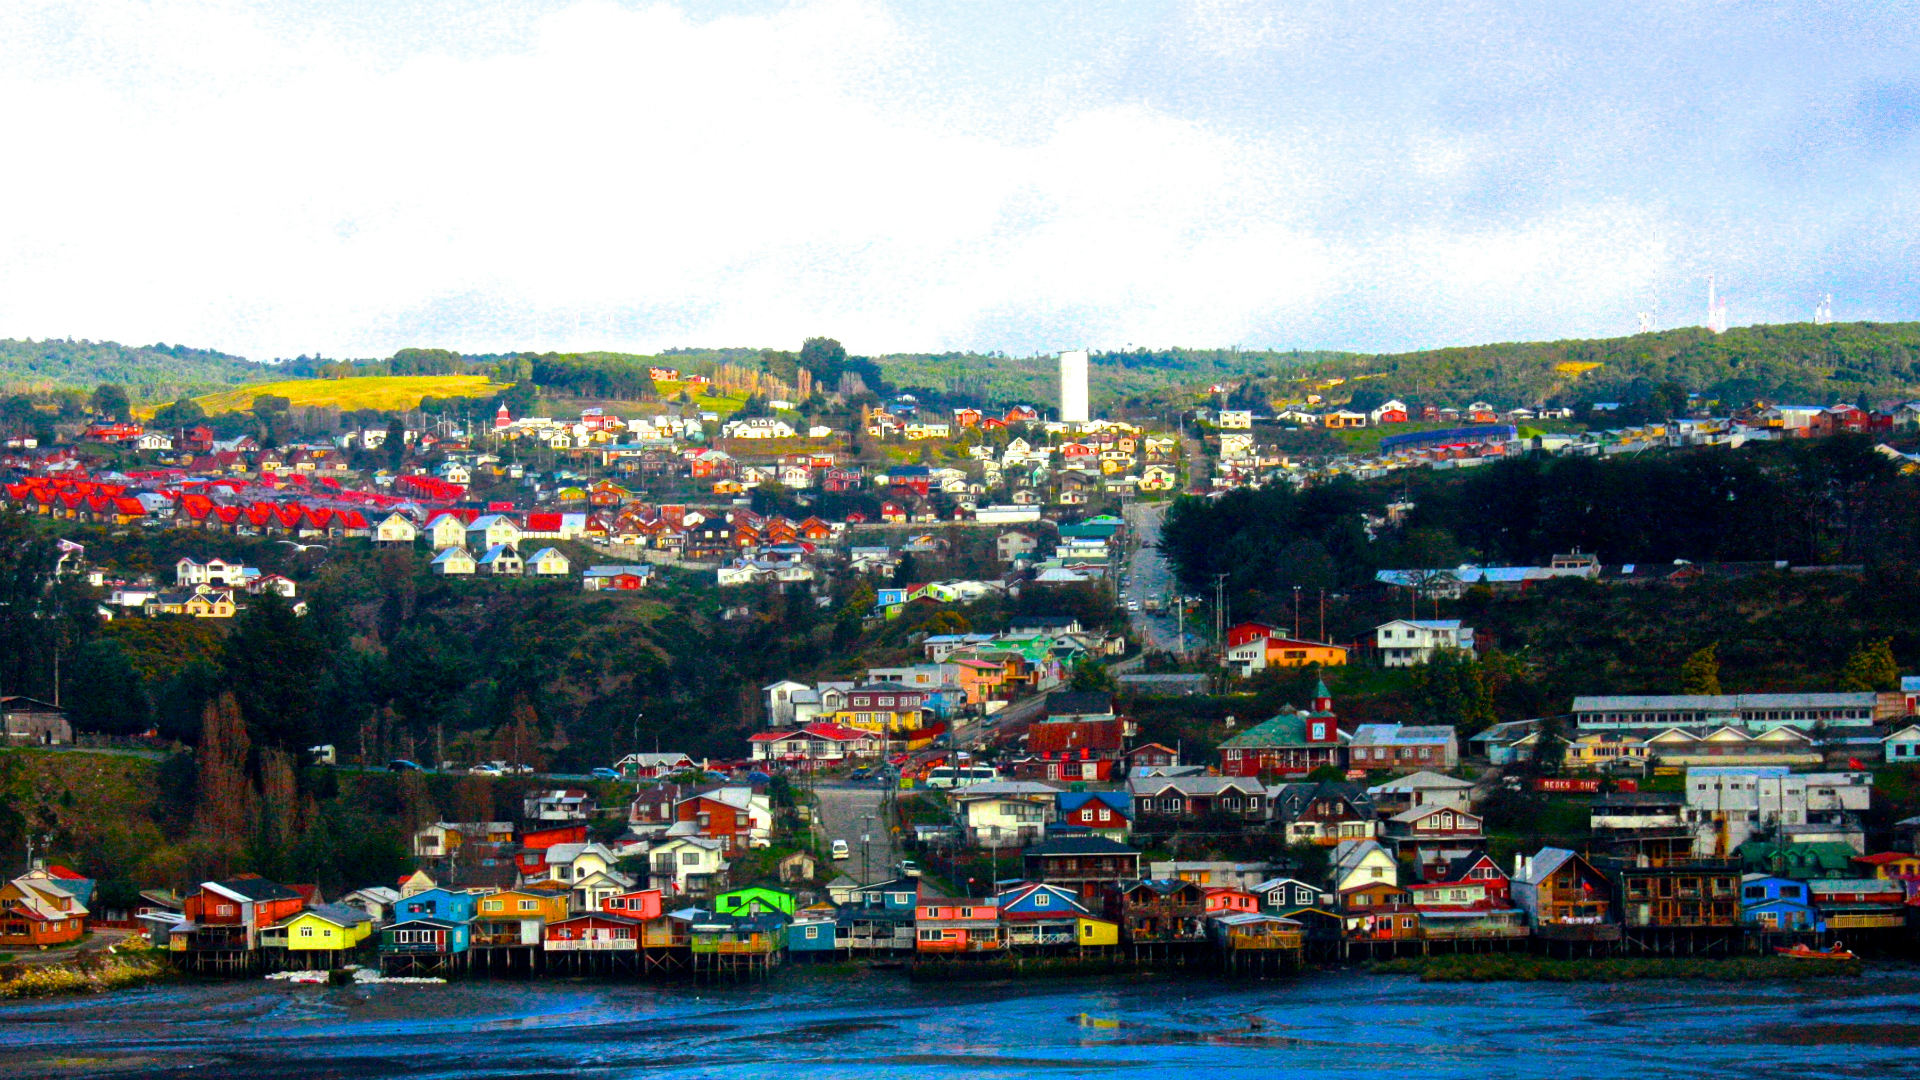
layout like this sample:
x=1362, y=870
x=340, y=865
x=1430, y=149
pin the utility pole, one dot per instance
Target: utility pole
x=1323, y=614
x=1220, y=613
x=1296, y=613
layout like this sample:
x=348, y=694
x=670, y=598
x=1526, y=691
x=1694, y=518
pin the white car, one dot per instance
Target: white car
x=484, y=770
x=841, y=851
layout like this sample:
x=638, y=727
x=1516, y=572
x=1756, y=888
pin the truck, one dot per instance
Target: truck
x=1155, y=605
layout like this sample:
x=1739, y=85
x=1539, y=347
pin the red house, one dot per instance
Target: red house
x=638, y=904
x=230, y=914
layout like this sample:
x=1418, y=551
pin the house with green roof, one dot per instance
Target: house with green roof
x=1292, y=743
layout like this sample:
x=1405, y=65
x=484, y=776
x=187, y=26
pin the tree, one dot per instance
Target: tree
x=823, y=356
x=224, y=801
x=110, y=402
x=1700, y=674
x=395, y=444
x=1452, y=689
x=1872, y=667
x=178, y=414
x=1092, y=675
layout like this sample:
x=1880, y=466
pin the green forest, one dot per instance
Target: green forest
x=1794, y=362
x=151, y=372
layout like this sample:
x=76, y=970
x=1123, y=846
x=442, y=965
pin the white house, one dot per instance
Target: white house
x=489, y=530
x=188, y=573
x=397, y=529
x=759, y=427
x=1728, y=805
x=549, y=562
x=1903, y=746
x=501, y=560
x=1408, y=642
x=1363, y=862
x=454, y=560
x=1006, y=813
x=686, y=865
x=1235, y=419
x=447, y=530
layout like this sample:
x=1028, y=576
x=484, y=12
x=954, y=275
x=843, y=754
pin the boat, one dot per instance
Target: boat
x=1836, y=951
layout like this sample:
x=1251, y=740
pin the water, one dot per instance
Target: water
x=876, y=1025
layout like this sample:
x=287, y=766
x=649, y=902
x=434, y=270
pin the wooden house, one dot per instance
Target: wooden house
x=594, y=931
x=1379, y=911
x=516, y=916
x=736, y=942
x=1701, y=894
x=1566, y=898
x=36, y=913
x=1159, y=912
x=1431, y=834
x=1324, y=814
x=229, y=915
x=447, y=905
x=1362, y=862
x=1084, y=865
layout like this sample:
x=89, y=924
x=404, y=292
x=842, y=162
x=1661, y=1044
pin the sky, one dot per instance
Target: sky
x=349, y=177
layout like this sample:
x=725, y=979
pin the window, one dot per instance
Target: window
x=929, y=935
x=689, y=858
x=529, y=905
x=1106, y=815
x=306, y=931
x=1041, y=899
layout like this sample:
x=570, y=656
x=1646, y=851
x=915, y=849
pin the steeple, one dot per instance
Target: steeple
x=1322, y=700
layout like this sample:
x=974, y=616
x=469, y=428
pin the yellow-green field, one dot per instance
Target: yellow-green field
x=724, y=405
x=366, y=392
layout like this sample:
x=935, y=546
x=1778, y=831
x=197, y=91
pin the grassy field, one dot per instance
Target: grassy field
x=724, y=405
x=370, y=392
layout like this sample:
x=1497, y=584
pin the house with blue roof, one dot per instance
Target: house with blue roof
x=1106, y=814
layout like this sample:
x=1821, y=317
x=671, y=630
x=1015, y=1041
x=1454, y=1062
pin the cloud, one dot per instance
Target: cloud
x=275, y=178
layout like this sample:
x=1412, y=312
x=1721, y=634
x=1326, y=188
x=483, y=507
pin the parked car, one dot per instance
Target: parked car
x=403, y=765
x=841, y=850
x=484, y=770
x=604, y=773
x=909, y=868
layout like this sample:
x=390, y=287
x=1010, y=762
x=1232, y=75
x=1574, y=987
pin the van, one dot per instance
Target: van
x=947, y=776
x=841, y=851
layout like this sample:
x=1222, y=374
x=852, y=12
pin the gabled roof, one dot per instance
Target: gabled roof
x=250, y=890
x=344, y=916
x=1081, y=845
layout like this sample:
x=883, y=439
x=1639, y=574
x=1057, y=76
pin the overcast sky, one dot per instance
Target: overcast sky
x=353, y=176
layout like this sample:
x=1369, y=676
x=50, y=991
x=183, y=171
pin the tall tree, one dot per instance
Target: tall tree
x=1872, y=667
x=1700, y=674
x=110, y=402
x=224, y=801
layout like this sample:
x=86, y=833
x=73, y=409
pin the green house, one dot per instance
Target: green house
x=755, y=900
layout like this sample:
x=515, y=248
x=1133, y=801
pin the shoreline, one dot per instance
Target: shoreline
x=94, y=974
x=1496, y=967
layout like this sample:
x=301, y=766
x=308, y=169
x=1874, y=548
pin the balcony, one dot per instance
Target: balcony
x=591, y=945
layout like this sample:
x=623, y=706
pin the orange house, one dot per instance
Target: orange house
x=34, y=913
x=959, y=925
x=1225, y=901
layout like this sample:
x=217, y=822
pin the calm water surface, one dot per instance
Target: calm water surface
x=877, y=1025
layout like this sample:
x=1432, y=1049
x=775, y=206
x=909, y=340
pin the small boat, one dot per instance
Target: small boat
x=1836, y=951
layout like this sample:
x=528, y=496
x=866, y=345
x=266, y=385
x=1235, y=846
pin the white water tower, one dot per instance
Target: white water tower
x=1073, y=386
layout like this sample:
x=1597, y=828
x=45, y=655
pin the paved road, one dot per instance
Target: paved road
x=1151, y=578
x=842, y=810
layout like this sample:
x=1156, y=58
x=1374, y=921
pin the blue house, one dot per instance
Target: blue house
x=812, y=934
x=422, y=936
x=896, y=894
x=1776, y=903
x=443, y=904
